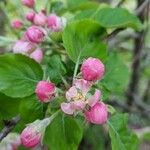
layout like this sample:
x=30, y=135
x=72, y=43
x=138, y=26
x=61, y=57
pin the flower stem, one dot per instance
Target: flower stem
x=76, y=67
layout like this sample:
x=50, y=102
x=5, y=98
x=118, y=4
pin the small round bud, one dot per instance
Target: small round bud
x=98, y=114
x=37, y=55
x=40, y=19
x=35, y=34
x=45, y=91
x=92, y=69
x=56, y=23
x=28, y=3
x=17, y=24
x=30, y=137
x=30, y=16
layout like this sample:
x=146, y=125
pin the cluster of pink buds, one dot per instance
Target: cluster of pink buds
x=42, y=25
x=79, y=97
x=32, y=135
x=11, y=142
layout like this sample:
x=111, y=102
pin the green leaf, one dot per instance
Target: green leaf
x=81, y=5
x=111, y=17
x=82, y=39
x=9, y=107
x=29, y=110
x=18, y=75
x=92, y=139
x=116, y=75
x=64, y=133
x=55, y=68
x=121, y=137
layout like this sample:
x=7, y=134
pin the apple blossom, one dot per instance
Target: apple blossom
x=78, y=97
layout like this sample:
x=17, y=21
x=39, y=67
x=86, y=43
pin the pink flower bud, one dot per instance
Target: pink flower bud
x=40, y=19
x=92, y=69
x=23, y=47
x=28, y=3
x=56, y=23
x=30, y=16
x=35, y=34
x=98, y=114
x=30, y=137
x=37, y=55
x=45, y=91
x=17, y=24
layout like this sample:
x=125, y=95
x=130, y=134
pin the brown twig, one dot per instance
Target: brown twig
x=120, y=3
x=147, y=92
x=137, y=55
x=140, y=9
x=9, y=126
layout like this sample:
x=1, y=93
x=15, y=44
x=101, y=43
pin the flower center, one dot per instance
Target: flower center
x=79, y=96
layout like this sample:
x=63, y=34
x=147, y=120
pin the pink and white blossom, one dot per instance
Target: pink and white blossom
x=78, y=97
x=92, y=69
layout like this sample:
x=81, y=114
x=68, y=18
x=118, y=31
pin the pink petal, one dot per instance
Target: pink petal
x=67, y=108
x=83, y=85
x=95, y=98
x=71, y=93
x=79, y=105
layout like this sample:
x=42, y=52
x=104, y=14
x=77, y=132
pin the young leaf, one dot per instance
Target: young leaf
x=111, y=17
x=18, y=75
x=29, y=110
x=55, y=69
x=121, y=137
x=81, y=5
x=117, y=72
x=82, y=39
x=64, y=133
x=9, y=107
